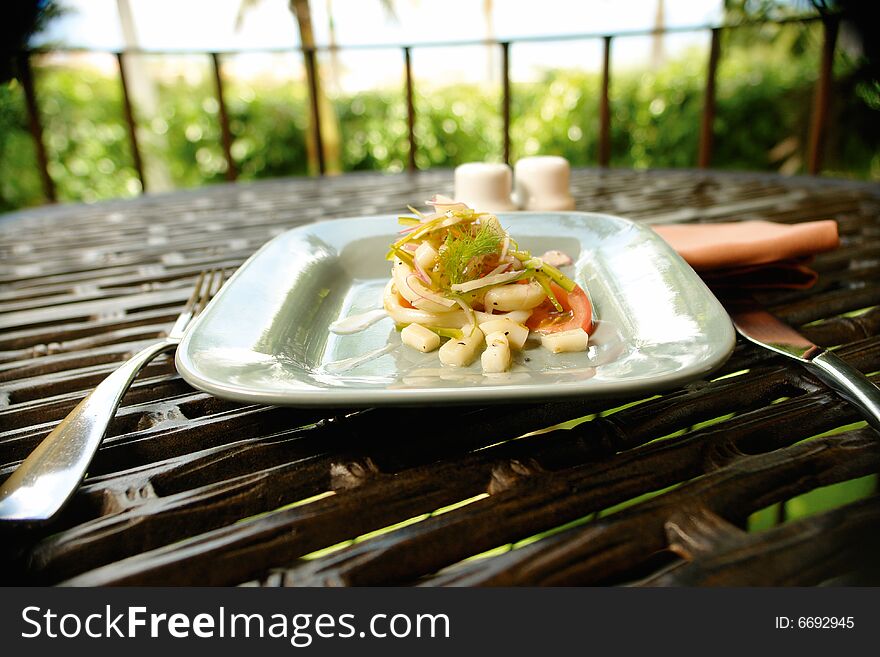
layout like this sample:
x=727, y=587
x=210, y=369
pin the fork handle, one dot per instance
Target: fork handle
x=47, y=478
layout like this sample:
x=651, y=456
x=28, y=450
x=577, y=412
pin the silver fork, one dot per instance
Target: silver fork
x=48, y=478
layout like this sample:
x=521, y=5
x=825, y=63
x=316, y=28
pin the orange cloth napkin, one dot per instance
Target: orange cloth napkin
x=757, y=254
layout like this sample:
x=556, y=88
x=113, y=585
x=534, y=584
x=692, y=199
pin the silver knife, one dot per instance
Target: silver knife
x=765, y=330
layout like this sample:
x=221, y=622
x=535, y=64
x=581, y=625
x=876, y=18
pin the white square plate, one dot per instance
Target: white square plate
x=264, y=337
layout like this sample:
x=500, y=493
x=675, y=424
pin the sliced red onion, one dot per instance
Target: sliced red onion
x=410, y=246
x=421, y=271
x=425, y=293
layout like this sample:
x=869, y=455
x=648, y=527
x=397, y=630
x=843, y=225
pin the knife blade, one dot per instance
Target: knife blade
x=764, y=329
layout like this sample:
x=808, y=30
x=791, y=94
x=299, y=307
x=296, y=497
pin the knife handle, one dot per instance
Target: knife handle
x=850, y=384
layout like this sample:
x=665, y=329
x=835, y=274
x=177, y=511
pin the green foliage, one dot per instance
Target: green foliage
x=184, y=133
x=269, y=125
x=86, y=142
x=764, y=95
x=456, y=125
x=656, y=115
x=374, y=132
x=557, y=115
x=746, y=108
x=19, y=177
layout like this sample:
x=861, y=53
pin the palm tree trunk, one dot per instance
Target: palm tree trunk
x=327, y=116
x=491, y=70
x=658, y=54
x=335, y=68
x=146, y=99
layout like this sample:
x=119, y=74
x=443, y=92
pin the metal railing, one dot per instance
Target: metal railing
x=818, y=124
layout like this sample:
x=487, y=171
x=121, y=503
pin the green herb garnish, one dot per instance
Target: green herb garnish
x=461, y=253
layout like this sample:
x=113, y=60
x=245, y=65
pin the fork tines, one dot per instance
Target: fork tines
x=207, y=285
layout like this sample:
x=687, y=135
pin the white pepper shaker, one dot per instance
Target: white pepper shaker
x=484, y=186
x=541, y=183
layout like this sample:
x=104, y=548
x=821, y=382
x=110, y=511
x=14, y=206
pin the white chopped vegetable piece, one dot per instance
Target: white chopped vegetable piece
x=418, y=337
x=496, y=338
x=516, y=333
x=461, y=352
x=566, y=341
x=514, y=296
x=401, y=314
x=517, y=316
x=426, y=255
x=496, y=357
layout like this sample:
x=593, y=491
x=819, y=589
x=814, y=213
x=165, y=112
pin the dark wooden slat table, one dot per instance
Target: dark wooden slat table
x=190, y=489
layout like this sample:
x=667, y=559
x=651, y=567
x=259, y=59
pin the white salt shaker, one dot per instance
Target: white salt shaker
x=484, y=186
x=542, y=183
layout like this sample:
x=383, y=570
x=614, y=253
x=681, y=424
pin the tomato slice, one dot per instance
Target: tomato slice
x=577, y=312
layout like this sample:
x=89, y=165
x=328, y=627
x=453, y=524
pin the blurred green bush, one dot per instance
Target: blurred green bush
x=764, y=92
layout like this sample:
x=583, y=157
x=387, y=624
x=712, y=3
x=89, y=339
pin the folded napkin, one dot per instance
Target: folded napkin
x=755, y=254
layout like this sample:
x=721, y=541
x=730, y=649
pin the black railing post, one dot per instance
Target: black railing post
x=707, y=122
x=132, y=126
x=26, y=77
x=822, y=97
x=604, y=107
x=225, y=132
x=410, y=108
x=315, y=105
x=505, y=99
x=818, y=128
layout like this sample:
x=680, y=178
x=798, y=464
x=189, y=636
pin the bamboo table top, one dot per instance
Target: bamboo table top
x=190, y=489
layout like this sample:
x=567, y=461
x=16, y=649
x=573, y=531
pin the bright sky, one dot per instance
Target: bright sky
x=204, y=25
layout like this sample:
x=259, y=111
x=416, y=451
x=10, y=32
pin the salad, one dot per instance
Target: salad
x=461, y=284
